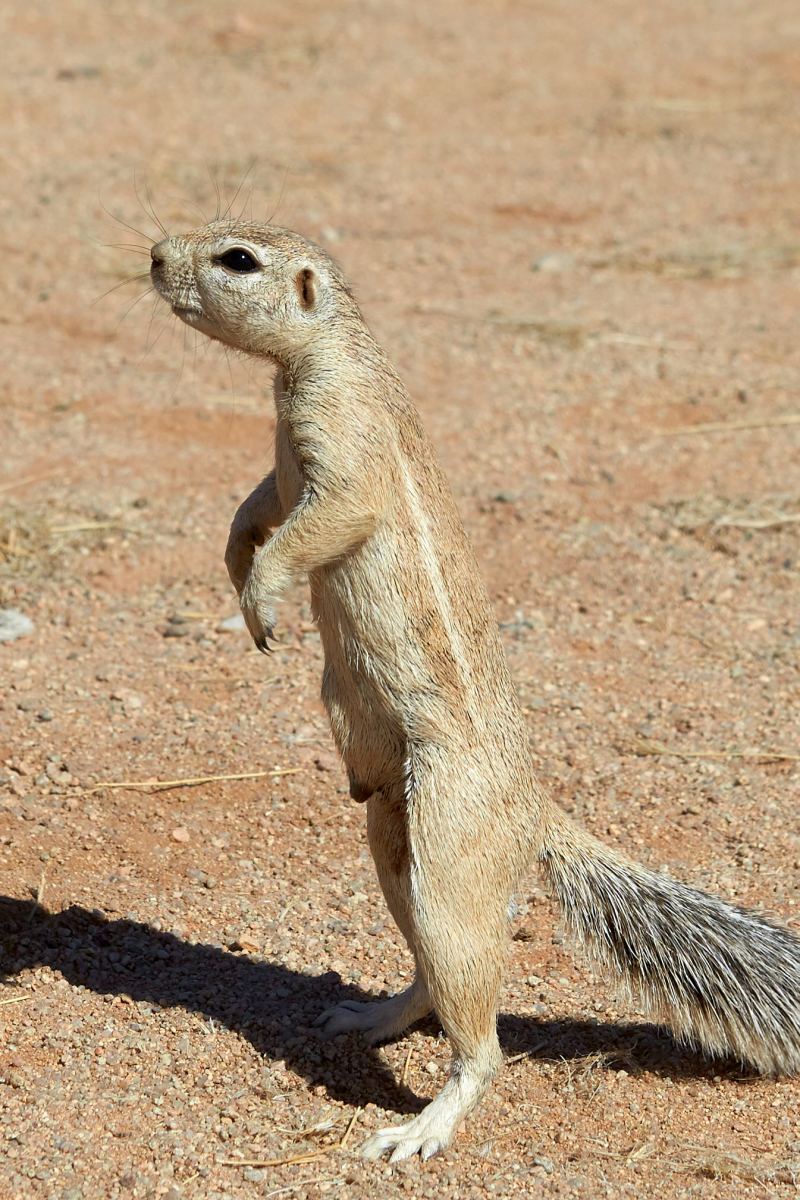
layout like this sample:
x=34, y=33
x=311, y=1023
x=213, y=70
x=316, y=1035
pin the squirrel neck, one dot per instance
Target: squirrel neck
x=330, y=365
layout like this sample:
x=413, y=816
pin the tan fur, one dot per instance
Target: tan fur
x=416, y=684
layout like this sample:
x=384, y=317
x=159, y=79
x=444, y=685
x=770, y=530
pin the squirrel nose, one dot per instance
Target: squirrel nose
x=158, y=253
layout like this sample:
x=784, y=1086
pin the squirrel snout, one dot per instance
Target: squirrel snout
x=157, y=255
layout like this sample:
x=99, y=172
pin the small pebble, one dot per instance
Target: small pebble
x=230, y=624
x=14, y=625
x=557, y=260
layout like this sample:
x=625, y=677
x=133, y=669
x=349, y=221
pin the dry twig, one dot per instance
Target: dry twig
x=163, y=785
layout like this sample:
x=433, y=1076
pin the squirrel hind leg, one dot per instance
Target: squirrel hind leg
x=378, y=1020
x=383, y=1019
x=462, y=969
x=433, y=1130
x=459, y=946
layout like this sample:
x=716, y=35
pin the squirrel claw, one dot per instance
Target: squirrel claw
x=261, y=642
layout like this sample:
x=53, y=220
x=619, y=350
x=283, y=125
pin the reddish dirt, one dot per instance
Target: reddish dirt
x=575, y=229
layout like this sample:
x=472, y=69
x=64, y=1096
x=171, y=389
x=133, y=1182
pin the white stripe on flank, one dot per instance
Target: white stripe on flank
x=434, y=574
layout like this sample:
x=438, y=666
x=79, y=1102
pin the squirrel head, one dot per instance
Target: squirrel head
x=256, y=288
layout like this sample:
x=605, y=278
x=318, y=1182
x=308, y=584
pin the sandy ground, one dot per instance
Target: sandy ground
x=575, y=227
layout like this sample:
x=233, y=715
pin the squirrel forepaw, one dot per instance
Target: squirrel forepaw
x=258, y=611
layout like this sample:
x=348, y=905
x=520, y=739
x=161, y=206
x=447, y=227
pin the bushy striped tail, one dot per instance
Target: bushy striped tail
x=720, y=977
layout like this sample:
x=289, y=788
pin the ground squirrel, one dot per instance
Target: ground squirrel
x=421, y=703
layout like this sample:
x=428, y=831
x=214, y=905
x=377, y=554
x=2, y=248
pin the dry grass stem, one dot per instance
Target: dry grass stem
x=23, y=536
x=632, y=339
x=779, y=518
x=724, y=1164
x=729, y=426
x=691, y=105
x=349, y=1129
x=644, y=1151
x=83, y=526
x=643, y=747
x=529, y=1053
x=16, y=1000
x=406, y=1065
x=25, y=479
x=510, y=1131
x=293, y=1159
x=162, y=785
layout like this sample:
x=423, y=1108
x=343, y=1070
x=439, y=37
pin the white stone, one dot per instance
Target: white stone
x=14, y=624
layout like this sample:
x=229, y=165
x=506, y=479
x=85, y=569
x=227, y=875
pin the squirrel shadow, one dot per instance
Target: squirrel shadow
x=275, y=1007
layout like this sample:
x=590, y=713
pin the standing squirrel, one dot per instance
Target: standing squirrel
x=421, y=702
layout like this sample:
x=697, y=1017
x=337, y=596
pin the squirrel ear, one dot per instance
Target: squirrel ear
x=306, y=284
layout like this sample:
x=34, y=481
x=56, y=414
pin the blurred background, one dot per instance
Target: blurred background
x=575, y=229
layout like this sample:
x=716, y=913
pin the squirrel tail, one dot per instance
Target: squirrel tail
x=720, y=977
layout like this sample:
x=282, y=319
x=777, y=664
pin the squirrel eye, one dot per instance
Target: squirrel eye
x=239, y=261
